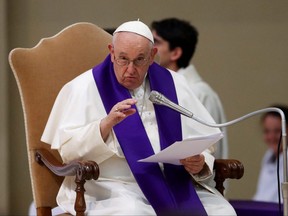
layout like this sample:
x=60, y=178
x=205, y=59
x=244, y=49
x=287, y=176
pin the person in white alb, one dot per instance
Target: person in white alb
x=176, y=42
x=267, y=187
x=105, y=115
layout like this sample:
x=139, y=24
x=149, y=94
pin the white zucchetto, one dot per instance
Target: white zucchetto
x=136, y=27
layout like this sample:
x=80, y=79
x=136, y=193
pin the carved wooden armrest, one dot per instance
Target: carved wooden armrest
x=227, y=168
x=82, y=170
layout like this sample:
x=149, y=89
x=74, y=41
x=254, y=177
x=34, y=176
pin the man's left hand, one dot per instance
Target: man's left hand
x=194, y=164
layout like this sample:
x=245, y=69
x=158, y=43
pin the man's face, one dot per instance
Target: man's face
x=131, y=55
x=164, y=52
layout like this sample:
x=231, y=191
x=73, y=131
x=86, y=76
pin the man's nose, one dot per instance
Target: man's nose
x=131, y=66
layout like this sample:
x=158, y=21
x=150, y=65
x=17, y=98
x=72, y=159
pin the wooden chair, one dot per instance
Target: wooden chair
x=40, y=73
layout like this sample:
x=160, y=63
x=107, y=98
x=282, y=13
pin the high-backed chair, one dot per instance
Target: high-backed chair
x=40, y=73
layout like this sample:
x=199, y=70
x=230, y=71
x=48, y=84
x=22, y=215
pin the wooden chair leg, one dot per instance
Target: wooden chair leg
x=80, y=204
x=86, y=171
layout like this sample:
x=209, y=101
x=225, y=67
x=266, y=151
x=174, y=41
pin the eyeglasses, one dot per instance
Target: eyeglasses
x=123, y=61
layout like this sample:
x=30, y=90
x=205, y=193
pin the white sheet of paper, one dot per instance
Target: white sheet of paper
x=183, y=149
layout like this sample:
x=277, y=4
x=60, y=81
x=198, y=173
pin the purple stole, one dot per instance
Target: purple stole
x=172, y=193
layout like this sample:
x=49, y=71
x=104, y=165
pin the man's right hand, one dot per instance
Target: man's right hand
x=118, y=113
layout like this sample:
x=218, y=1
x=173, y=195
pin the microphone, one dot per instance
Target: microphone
x=158, y=98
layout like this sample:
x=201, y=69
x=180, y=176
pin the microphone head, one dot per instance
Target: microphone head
x=156, y=97
x=159, y=99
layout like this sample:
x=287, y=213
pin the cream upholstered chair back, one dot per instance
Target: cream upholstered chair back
x=40, y=73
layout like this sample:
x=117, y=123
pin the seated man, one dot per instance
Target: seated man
x=105, y=115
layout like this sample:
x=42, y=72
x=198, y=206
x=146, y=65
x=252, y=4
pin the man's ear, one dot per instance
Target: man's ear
x=111, y=49
x=176, y=53
x=153, y=54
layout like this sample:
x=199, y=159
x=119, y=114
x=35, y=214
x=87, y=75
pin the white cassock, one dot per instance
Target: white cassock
x=73, y=129
x=211, y=101
x=267, y=187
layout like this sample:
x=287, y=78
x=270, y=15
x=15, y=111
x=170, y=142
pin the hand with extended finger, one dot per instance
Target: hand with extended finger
x=121, y=110
x=118, y=113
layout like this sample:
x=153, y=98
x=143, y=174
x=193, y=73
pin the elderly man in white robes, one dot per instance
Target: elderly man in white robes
x=105, y=115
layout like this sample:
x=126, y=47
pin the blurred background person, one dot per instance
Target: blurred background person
x=176, y=42
x=267, y=187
